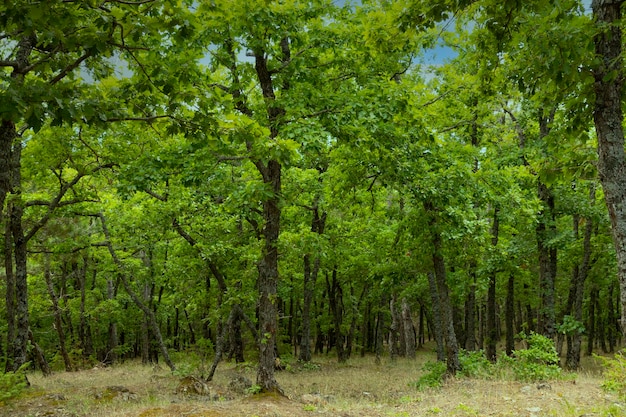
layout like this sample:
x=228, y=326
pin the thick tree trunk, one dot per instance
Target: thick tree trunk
x=608, y=118
x=492, y=331
x=20, y=343
x=437, y=318
x=10, y=290
x=452, y=348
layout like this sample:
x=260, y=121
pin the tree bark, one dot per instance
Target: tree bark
x=452, y=349
x=608, y=119
x=10, y=290
x=437, y=318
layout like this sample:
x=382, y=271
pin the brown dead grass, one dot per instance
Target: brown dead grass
x=358, y=388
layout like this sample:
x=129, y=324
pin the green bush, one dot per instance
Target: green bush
x=538, y=362
x=474, y=364
x=614, y=374
x=433, y=378
x=12, y=384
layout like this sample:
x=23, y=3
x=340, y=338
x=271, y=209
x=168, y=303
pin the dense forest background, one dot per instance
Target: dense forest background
x=254, y=179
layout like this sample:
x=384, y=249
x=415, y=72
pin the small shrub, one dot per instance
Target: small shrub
x=12, y=384
x=614, y=374
x=539, y=362
x=254, y=389
x=434, y=376
x=474, y=364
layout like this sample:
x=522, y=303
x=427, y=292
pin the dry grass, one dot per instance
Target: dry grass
x=358, y=388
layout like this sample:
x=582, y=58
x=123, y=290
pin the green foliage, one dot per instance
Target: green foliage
x=254, y=389
x=538, y=362
x=433, y=378
x=474, y=364
x=571, y=326
x=614, y=374
x=12, y=384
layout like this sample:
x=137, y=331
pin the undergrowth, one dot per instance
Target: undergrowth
x=12, y=384
x=538, y=362
x=614, y=374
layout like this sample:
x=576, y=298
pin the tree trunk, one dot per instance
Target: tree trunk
x=492, y=331
x=310, y=278
x=437, y=318
x=380, y=328
x=509, y=315
x=452, y=348
x=10, y=291
x=547, y=262
x=574, y=340
x=409, y=330
x=20, y=343
x=142, y=306
x=470, y=313
x=608, y=118
x=591, y=327
x=393, y=329
x=335, y=299
x=56, y=311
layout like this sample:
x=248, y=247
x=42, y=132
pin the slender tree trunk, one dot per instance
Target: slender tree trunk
x=111, y=354
x=608, y=118
x=591, y=327
x=420, y=332
x=40, y=358
x=470, y=312
x=600, y=325
x=380, y=328
x=547, y=260
x=409, y=330
x=492, y=332
x=611, y=319
x=56, y=311
x=335, y=299
x=572, y=360
x=393, y=329
x=310, y=278
x=509, y=315
x=142, y=306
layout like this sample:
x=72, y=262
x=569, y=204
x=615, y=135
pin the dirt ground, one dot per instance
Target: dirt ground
x=359, y=388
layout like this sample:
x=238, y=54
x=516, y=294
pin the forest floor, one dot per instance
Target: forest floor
x=358, y=388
